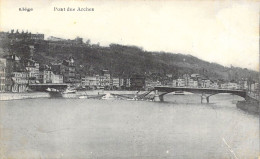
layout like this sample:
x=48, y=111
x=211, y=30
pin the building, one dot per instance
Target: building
x=195, y=76
x=174, y=83
x=232, y=86
x=224, y=86
x=56, y=78
x=68, y=70
x=205, y=83
x=75, y=41
x=89, y=81
x=214, y=85
x=19, y=82
x=243, y=84
x=53, y=38
x=47, y=76
x=116, y=82
x=137, y=82
x=229, y=85
x=192, y=83
x=186, y=78
x=105, y=79
x=180, y=82
x=32, y=67
x=13, y=64
x=2, y=74
x=17, y=36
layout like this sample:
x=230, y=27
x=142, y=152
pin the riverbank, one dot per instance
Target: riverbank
x=249, y=106
x=27, y=95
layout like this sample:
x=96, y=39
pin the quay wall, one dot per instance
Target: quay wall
x=15, y=96
x=26, y=95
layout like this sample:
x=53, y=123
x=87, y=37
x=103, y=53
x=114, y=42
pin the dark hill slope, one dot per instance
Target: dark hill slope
x=125, y=60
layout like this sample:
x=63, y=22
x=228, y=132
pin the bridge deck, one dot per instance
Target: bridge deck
x=44, y=86
x=241, y=93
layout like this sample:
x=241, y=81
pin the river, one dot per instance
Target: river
x=181, y=127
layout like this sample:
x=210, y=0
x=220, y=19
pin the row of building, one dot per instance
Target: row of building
x=104, y=80
x=17, y=74
x=19, y=36
x=197, y=81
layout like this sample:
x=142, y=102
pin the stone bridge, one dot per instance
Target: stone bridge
x=43, y=86
x=205, y=92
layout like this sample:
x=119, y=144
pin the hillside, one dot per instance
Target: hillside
x=125, y=60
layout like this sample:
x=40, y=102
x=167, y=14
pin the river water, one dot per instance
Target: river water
x=180, y=127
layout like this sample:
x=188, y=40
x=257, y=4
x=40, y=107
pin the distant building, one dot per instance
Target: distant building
x=243, y=84
x=229, y=85
x=19, y=81
x=13, y=64
x=17, y=36
x=137, y=82
x=180, y=82
x=232, y=86
x=192, y=83
x=47, y=74
x=214, y=85
x=89, y=81
x=56, y=78
x=195, y=76
x=186, y=78
x=174, y=83
x=68, y=70
x=2, y=74
x=116, y=82
x=205, y=83
x=52, y=38
x=77, y=40
x=105, y=79
x=32, y=67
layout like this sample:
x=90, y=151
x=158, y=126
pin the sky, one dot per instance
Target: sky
x=224, y=32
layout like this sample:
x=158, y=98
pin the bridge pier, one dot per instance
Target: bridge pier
x=204, y=98
x=157, y=97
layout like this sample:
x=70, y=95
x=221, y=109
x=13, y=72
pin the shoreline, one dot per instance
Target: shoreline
x=249, y=106
x=5, y=96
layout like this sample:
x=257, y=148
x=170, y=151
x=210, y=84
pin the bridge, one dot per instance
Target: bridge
x=205, y=92
x=43, y=86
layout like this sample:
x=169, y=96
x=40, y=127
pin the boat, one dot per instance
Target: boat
x=91, y=96
x=68, y=90
x=54, y=93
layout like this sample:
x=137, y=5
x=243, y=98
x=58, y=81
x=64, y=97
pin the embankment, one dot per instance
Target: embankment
x=249, y=105
x=14, y=96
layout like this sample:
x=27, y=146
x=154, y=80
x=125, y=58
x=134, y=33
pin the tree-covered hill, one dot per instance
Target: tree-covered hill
x=124, y=60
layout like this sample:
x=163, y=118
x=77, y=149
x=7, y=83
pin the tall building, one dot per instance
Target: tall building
x=19, y=82
x=13, y=64
x=137, y=82
x=2, y=74
x=68, y=70
x=32, y=67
